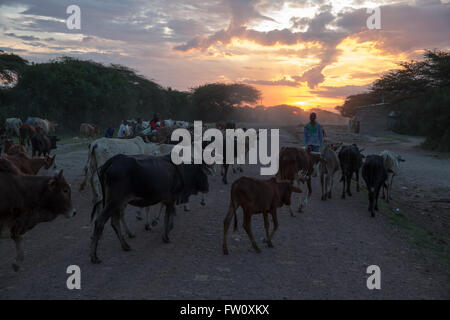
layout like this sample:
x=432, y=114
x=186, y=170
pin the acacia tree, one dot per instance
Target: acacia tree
x=11, y=67
x=219, y=101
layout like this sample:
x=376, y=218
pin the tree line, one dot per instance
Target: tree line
x=419, y=92
x=71, y=91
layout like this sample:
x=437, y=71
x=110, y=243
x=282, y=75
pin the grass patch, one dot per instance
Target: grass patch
x=418, y=236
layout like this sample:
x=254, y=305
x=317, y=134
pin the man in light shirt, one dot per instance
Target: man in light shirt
x=122, y=130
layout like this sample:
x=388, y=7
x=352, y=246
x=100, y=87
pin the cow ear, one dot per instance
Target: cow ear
x=51, y=184
x=60, y=174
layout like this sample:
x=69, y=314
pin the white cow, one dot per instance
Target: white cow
x=391, y=163
x=182, y=124
x=45, y=125
x=104, y=148
x=169, y=123
x=12, y=126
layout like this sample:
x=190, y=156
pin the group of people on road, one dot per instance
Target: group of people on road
x=155, y=124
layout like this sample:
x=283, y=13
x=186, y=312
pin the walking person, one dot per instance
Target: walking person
x=313, y=134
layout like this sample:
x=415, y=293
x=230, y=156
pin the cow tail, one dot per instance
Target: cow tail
x=86, y=167
x=233, y=209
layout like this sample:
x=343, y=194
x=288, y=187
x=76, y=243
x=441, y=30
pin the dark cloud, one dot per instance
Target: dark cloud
x=26, y=38
x=339, y=92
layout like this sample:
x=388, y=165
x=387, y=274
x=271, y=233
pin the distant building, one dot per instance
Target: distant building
x=373, y=119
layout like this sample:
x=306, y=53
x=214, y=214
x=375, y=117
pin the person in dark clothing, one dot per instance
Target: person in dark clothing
x=109, y=132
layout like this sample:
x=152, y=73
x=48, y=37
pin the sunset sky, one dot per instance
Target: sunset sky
x=308, y=53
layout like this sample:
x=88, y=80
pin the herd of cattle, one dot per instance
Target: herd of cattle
x=123, y=172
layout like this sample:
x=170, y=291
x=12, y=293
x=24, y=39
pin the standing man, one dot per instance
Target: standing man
x=122, y=130
x=313, y=134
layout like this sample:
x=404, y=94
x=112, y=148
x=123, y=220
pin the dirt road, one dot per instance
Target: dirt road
x=322, y=253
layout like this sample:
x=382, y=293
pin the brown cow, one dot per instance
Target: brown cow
x=29, y=200
x=30, y=166
x=257, y=196
x=221, y=125
x=12, y=148
x=26, y=131
x=298, y=165
x=88, y=130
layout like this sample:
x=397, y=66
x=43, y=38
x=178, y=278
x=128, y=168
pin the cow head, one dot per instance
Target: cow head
x=57, y=198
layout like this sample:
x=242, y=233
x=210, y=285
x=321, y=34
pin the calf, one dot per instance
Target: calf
x=257, y=196
x=328, y=166
x=374, y=174
x=350, y=158
x=11, y=148
x=31, y=166
x=298, y=165
x=391, y=163
x=29, y=200
x=142, y=181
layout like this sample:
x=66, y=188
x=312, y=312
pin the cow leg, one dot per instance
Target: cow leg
x=343, y=186
x=357, y=180
x=225, y=171
x=168, y=221
x=19, y=252
x=292, y=205
x=139, y=214
x=371, y=196
x=322, y=183
x=226, y=226
x=115, y=223
x=186, y=207
x=233, y=168
x=306, y=199
x=203, y=201
x=275, y=224
x=390, y=189
x=125, y=225
x=147, y=219
x=331, y=185
x=349, y=183
x=377, y=193
x=266, y=226
x=98, y=230
x=248, y=228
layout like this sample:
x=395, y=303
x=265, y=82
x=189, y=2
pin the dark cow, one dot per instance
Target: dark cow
x=26, y=131
x=142, y=181
x=42, y=144
x=298, y=165
x=29, y=200
x=351, y=159
x=257, y=196
x=375, y=175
